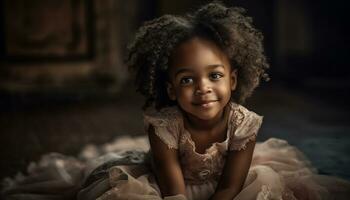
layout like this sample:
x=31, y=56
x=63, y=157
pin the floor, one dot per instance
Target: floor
x=309, y=119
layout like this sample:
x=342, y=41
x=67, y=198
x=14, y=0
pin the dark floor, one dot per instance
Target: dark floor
x=309, y=119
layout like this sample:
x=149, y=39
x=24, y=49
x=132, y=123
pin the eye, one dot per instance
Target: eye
x=215, y=76
x=186, y=80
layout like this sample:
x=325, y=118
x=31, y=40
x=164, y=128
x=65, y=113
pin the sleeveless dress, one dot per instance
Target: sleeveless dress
x=123, y=169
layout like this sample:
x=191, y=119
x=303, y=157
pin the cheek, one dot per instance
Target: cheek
x=224, y=89
x=184, y=92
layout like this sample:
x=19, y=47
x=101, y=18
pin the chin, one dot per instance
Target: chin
x=206, y=114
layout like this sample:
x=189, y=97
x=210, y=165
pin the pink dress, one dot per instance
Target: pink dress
x=123, y=168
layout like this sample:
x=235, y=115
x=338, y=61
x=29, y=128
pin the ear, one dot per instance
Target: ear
x=171, y=91
x=233, y=79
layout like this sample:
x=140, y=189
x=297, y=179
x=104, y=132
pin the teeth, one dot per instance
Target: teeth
x=206, y=104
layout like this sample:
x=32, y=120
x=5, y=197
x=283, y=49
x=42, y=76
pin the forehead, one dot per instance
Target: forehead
x=195, y=54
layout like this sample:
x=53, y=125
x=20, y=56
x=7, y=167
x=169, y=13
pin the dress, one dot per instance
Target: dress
x=123, y=168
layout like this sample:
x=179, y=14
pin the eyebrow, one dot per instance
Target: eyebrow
x=185, y=69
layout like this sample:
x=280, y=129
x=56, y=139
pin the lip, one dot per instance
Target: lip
x=205, y=104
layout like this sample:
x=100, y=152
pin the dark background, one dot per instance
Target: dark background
x=63, y=83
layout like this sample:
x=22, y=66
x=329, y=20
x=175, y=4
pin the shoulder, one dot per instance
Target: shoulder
x=244, y=124
x=162, y=117
x=166, y=124
x=240, y=115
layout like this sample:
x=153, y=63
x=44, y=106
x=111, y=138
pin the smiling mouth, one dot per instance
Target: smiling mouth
x=205, y=104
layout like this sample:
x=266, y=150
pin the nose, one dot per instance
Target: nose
x=203, y=87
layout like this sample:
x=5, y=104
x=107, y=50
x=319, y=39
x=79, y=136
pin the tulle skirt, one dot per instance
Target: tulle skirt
x=120, y=170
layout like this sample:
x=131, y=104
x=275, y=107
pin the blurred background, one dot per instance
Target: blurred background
x=63, y=82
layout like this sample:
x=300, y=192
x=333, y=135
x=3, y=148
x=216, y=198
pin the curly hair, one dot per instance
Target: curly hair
x=229, y=28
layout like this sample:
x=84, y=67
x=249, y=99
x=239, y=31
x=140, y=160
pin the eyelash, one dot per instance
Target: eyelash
x=216, y=74
x=185, y=78
x=211, y=76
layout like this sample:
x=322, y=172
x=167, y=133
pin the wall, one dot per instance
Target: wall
x=65, y=46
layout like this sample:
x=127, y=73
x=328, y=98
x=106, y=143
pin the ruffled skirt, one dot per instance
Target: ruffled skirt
x=120, y=170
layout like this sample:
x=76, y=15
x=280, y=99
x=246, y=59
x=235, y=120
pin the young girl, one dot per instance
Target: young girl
x=194, y=71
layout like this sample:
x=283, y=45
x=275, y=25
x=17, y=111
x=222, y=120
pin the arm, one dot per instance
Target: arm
x=234, y=173
x=167, y=167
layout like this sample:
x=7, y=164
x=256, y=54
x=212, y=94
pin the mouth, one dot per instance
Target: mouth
x=205, y=104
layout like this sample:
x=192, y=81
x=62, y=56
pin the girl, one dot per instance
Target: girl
x=194, y=71
x=197, y=66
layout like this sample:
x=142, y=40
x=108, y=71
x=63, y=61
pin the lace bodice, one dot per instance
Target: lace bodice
x=197, y=168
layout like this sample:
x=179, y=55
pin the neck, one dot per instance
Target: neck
x=196, y=123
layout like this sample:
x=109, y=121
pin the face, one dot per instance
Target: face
x=201, y=79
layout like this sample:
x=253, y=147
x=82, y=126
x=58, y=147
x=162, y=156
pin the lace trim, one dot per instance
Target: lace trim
x=209, y=151
x=165, y=124
x=245, y=122
x=242, y=145
x=238, y=114
x=159, y=131
x=164, y=117
x=267, y=194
